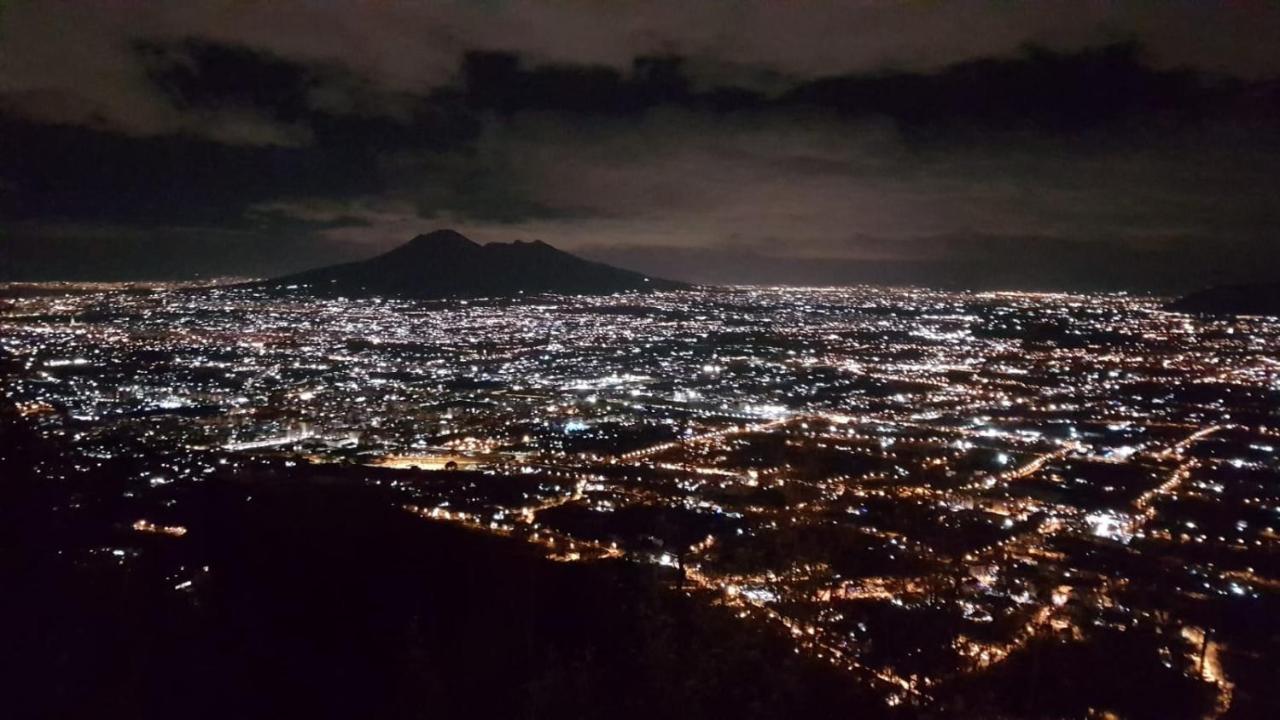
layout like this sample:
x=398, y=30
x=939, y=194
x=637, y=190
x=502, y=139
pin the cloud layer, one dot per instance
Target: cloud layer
x=1132, y=146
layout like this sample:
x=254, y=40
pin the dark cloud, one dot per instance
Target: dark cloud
x=760, y=144
x=980, y=262
x=61, y=172
x=70, y=251
x=207, y=77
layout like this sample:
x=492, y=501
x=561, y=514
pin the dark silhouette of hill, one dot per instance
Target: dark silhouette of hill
x=322, y=598
x=444, y=263
x=1258, y=299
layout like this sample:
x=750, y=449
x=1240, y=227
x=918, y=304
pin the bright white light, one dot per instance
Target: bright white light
x=1109, y=525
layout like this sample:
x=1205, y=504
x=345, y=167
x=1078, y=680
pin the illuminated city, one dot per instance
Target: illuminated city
x=660, y=360
x=920, y=488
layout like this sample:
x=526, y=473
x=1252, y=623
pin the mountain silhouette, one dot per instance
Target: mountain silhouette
x=444, y=263
x=1259, y=299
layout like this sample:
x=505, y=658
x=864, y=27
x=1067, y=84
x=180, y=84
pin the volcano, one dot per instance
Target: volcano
x=444, y=264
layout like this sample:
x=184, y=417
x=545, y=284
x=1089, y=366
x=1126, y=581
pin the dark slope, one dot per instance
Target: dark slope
x=1260, y=299
x=446, y=264
x=322, y=598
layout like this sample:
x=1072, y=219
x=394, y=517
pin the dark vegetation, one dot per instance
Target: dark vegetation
x=324, y=599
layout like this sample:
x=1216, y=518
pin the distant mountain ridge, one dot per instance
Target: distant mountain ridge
x=445, y=263
x=1258, y=299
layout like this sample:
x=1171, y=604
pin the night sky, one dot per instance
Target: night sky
x=1076, y=144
